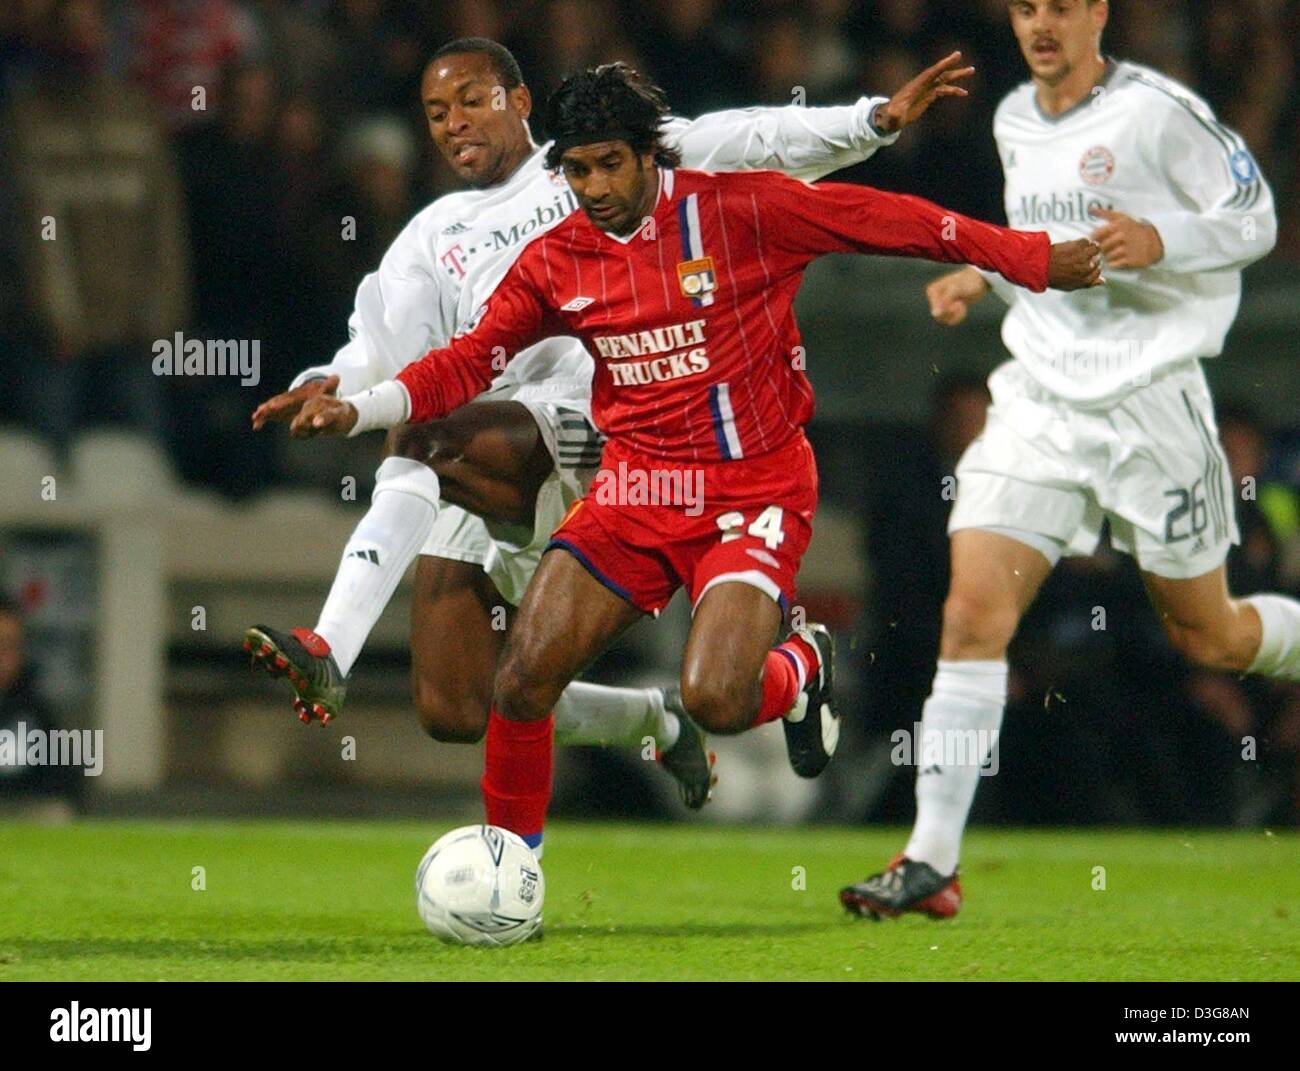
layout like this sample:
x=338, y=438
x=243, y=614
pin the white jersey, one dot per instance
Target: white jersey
x=437, y=275
x=1143, y=145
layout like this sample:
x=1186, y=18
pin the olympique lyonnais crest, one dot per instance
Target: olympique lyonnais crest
x=697, y=277
x=1097, y=166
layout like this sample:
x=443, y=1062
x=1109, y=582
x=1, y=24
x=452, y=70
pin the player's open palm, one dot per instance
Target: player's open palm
x=284, y=407
x=1075, y=265
x=911, y=102
x=952, y=295
x=324, y=415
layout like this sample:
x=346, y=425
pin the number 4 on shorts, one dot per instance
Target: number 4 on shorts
x=766, y=526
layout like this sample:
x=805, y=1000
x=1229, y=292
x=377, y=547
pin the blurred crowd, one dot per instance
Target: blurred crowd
x=231, y=168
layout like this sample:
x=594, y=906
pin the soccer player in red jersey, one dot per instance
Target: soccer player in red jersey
x=681, y=286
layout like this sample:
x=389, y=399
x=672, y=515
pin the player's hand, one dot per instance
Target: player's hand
x=952, y=295
x=1075, y=265
x=324, y=415
x=284, y=407
x=1126, y=242
x=910, y=102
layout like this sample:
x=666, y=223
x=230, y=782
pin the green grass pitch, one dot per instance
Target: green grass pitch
x=334, y=900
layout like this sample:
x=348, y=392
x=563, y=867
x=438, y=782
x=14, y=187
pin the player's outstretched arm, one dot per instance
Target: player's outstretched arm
x=804, y=222
x=445, y=378
x=809, y=143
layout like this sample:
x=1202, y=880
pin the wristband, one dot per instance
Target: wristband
x=383, y=406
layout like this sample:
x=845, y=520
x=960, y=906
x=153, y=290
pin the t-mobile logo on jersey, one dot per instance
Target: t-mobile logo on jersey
x=543, y=217
x=1076, y=207
x=686, y=338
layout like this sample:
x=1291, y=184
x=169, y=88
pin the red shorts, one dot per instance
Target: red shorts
x=647, y=526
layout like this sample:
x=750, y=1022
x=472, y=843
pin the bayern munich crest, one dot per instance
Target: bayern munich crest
x=1097, y=166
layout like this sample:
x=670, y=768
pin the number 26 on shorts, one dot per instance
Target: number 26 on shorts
x=766, y=526
x=1188, y=501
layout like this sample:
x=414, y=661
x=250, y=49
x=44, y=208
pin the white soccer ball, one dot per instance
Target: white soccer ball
x=480, y=885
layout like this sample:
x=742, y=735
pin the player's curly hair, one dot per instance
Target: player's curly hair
x=611, y=103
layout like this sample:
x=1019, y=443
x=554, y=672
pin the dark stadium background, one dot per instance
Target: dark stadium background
x=171, y=532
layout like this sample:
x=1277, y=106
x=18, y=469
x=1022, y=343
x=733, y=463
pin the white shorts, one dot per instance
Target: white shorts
x=509, y=554
x=1151, y=464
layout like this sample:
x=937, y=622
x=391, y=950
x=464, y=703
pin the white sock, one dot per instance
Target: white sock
x=613, y=717
x=1279, y=648
x=959, y=724
x=380, y=550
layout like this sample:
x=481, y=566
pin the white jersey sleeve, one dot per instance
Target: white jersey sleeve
x=1226, y=218
x=401, y=311
x=805, y=143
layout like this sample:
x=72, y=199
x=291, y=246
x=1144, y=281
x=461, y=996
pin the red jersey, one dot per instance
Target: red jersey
x=690, y=320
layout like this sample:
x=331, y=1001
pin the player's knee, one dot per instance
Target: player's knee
x=977, y=623
x=1208, y=646
x=717, y=705
x=427, y=443
x=451, y=720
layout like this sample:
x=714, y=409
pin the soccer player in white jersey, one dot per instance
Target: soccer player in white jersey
x=1103, y=414
x=478, y=495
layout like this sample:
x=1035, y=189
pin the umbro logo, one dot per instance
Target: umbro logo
x=577, y=304
x=371, y=556
x=455, y=228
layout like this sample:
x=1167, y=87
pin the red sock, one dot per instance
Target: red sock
x=516, y=781
x=781, y=677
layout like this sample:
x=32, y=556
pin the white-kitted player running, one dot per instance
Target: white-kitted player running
x=477, y=496
x=1103, y=414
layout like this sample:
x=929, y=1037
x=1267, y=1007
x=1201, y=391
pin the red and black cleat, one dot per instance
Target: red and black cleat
x=304, y=658
x=906, y=885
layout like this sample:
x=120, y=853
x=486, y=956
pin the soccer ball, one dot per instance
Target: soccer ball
x=480, y=885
